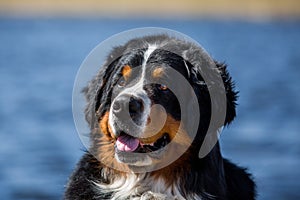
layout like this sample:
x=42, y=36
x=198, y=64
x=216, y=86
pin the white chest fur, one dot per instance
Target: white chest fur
x=134, y=186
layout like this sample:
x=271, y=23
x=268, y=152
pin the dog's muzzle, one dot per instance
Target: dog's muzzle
x=129, y=114
x=129, y=104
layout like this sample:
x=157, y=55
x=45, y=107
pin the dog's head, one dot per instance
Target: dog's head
x=135, y=115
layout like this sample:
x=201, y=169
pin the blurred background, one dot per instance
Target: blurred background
x=43, y=43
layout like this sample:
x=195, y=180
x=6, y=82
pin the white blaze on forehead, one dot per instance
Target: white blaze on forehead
x=137, y=90
x=139, y=85
x=147, y=54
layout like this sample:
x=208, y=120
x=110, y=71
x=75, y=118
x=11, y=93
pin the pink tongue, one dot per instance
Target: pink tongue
x=127, y=143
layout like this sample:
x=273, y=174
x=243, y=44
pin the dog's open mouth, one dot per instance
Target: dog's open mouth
x=128, y=143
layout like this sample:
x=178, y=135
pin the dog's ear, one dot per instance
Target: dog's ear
x=97, y=87
x=201, y=88
x=93, y=93
x=231, y=93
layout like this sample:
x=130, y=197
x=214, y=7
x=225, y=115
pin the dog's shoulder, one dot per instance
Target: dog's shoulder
x=240, y=184
x=80, y=185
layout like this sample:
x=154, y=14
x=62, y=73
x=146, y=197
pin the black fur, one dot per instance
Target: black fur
x=211, y=177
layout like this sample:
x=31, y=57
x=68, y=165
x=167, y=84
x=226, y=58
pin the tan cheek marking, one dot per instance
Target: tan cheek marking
x=172, y=128
x=158, y=72
x=104, y=126
x=105, y=152
x=126, y=71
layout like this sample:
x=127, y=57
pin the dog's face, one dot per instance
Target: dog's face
x=138, y=115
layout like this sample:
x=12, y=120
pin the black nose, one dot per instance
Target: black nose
x=131, y=104
x=135, y=106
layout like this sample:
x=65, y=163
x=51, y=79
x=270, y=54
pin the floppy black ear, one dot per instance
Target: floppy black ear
x=95, y=91
x=231, y=93
x=201, y=88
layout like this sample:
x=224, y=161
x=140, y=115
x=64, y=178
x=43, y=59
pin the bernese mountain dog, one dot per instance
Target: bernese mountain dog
x=134, y=156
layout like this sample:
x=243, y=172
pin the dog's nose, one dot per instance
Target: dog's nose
x=135, y=105
x=128, y=107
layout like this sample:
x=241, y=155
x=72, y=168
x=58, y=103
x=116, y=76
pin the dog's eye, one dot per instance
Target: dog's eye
x=121, y=82
x=162, y=87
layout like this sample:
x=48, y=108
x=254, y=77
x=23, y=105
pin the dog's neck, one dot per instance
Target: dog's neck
x=174, y=181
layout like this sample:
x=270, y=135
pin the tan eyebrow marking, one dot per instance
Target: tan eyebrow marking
x=126, y=71
x=158, y=72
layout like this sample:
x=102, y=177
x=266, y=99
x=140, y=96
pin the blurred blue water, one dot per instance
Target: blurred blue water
x=39, y=59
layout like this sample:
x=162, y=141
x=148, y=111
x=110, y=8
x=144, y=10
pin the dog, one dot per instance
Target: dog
x=129, y=157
